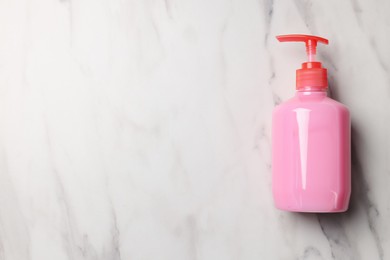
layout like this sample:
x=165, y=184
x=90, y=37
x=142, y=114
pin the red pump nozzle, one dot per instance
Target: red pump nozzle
x=311, y=76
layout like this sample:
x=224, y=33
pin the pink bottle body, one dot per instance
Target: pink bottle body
x=311, y=154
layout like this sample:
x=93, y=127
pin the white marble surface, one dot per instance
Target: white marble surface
x=140, y=130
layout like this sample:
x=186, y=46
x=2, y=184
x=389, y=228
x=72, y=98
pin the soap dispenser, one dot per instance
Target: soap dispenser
x=311, y=161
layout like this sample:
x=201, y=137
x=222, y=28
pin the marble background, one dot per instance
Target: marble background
x=141, y=129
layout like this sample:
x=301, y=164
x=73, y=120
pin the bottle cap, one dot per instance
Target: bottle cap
x=312, y=76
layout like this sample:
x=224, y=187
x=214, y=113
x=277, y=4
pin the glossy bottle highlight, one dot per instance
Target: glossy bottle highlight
x=311, y=142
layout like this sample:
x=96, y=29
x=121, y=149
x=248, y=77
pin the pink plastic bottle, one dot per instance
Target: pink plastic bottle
x=311, y=142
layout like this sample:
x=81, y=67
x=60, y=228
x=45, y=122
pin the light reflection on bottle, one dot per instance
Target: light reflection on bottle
x=303, y=117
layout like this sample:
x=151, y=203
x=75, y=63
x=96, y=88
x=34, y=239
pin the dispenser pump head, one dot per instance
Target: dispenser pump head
x=311, y=76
